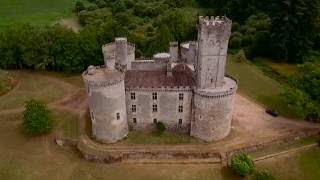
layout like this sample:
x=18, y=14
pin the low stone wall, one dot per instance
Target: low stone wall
x=93, y=151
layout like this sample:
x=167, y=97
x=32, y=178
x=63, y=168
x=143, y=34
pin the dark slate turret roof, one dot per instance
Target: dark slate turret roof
x=181, y=76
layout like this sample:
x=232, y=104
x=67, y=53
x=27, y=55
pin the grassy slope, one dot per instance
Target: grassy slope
x=34, y=11
x=255, y=85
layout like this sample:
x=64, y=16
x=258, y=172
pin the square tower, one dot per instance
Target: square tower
x=213, y=39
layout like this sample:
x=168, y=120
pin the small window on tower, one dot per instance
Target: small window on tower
x=180, y=121
x=133, y=96
x=118, y=116
x=155, y=121
x=134, y=120
x=211, y=80
x=154, y=108
x=180, y=109
x=154, y=96
x=134, y=108
x=180, y=96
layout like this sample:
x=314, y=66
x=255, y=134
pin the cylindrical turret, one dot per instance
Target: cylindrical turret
x=106, y=95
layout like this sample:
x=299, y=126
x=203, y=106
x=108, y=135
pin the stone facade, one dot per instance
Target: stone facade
x=185, y=89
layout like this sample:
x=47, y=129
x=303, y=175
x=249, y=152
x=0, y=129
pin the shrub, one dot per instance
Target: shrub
x=242, y=164
x=37, y=118
x=160, y=127
x=262, y=175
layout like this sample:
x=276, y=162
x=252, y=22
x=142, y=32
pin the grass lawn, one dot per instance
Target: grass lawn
x=32, y=85
x=66, y=123
x=257, y=86
x=7, y=81
x=304, y=165
x=139, y=137
x=34, y=11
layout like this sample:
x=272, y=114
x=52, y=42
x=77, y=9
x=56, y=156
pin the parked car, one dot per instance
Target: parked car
x=272, y=112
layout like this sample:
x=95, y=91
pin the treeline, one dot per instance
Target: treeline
x=150, y=24
x=279, y=29
x=304, y=95
x=52, y=47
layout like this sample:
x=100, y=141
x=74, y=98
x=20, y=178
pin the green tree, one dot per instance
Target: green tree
x=242, y=164
x=37, y=118
x=294, y=24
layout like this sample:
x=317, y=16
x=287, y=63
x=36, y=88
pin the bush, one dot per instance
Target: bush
x=37, y=118
x=262, y=175
x=242, y=164
x=160, y=127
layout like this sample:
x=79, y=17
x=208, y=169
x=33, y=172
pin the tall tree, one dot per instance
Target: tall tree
x=294, y=23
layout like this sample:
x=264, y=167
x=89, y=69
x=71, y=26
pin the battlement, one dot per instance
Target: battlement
x=214, y=22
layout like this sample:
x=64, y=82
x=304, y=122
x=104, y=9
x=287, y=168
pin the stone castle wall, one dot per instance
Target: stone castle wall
x=107, y=109
x=167, y=108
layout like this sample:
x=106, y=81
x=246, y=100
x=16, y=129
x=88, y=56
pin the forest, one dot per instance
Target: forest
x=281, y=30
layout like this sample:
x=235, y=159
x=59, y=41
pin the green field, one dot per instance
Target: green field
x=34, y=11
x=254, y=84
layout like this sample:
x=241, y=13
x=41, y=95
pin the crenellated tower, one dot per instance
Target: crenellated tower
x=213, y=39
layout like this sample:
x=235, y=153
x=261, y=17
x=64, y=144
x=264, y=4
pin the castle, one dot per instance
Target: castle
x=186, y=89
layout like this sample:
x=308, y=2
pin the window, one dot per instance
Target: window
x=133, y=96
x=134, y=120
x=154, y=96
x=180, y=121
x=154, y=108
x=180, y=96
x=180, y=109
x=118, y=116
x=155, y=121
x=133, y=108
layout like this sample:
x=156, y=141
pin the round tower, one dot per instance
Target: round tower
x=213, y=110
x=106, y=95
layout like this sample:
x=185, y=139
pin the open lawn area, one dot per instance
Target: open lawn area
x=32, y=85
x=34, y=11
x=254, y=84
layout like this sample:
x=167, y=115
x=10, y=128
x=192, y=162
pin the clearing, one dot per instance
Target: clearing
x=34, y=11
